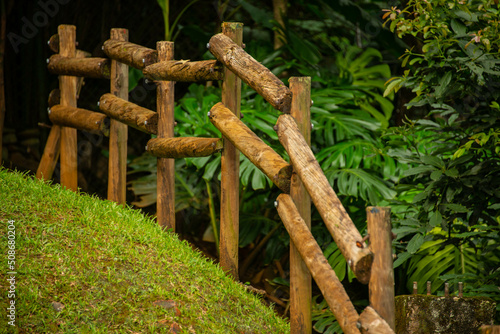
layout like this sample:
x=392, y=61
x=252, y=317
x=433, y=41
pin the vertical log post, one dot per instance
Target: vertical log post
x=67, y=86
x=300, y=278
x=165, y=167
x=381, y=285
x=230, y=165
x=118, y=133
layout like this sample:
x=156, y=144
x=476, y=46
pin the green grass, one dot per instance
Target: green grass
x=107, y=265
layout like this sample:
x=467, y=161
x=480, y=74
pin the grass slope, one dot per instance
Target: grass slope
x=113, y=269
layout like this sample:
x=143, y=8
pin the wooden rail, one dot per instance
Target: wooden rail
x=301, y=180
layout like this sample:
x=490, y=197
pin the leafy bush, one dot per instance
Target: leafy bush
x=448, y=217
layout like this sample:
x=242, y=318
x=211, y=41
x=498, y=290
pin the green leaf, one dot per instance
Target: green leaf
x=402, y=257
x=432, y=160
x=211, y=168
x=392, y=85
x=458, y=208
x=444, y=82
x=258, y=180
x=415, y=243
x=458, y=27
x=419, y=170
x=453, y=172
x=436, y=219
x=435, y=175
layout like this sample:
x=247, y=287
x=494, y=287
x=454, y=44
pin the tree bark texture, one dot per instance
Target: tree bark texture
x=279, y=12
x=97, y=68
x=230, y=165
x=490, y=329
x=326, y=279
x=184, y=147
x=300, y=278
x=67, y=85
x=50, y=154
x=118, y=133
x=184, y=70
x=54, y=97
x=80, y=119
x=253, y=73
x=326, y=201
x=381, y=286
x=53, y=43
x=52, y=148
x=165, y=103
x=129, y=53
x=370, y=322
x=129, y=113
x=258, y=152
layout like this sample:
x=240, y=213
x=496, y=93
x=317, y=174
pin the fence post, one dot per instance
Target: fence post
x=50, y=154
x=381, y=285
x=300, y=278
x=165, y=204
x=230, y=165
x=118, y=133
x=67, y=85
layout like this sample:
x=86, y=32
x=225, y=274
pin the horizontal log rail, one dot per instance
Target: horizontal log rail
x=336, y=219
x=53, y=43
x=129, y=53
x=184, y=70
x=253, y=73
x=184, y=147
x=258, y=152
x=97, y=68
x=129, y=113
x=81, y=119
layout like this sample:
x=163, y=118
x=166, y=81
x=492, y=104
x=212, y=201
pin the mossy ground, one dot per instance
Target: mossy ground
x=113, y=269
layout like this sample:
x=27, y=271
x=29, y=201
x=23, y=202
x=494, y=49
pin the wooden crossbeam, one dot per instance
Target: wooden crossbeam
x=259, y=153
x=98, y=68
x=253, y=73
x=129, y=113
x=184, y=70
x=184, y=147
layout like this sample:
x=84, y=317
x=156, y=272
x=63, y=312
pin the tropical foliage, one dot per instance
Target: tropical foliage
x=439, y=171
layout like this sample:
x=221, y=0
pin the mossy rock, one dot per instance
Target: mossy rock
x=432, y=314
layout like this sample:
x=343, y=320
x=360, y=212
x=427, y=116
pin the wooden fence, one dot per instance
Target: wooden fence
x=300, y=181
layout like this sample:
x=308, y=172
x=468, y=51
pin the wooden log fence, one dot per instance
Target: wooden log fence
x=81, y=119
x=300, y=278
x=98, y=68
x=184, y=70
x=129, y=113
x=301, y=180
